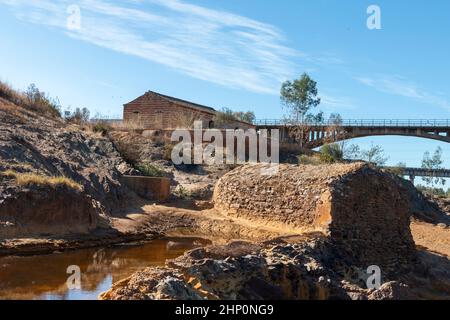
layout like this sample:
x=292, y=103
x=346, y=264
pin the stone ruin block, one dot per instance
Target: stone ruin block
x=364, y=212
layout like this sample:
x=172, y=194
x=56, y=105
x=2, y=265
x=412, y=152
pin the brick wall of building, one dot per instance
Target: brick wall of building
x=154, y=112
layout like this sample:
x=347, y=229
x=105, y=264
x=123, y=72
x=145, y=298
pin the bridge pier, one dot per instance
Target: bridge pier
x=412, y=178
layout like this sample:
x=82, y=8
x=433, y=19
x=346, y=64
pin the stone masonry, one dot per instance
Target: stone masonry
x=362, y=210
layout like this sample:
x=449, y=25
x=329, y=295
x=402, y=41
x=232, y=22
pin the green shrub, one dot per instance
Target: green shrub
x=331, y=153
x=150, y=170
x=182, y=193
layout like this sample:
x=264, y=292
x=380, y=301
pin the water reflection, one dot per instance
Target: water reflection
x=44, y=276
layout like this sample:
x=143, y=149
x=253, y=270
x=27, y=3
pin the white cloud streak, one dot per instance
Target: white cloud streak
x=335, y=103
x=397, y=85
x=211, y=45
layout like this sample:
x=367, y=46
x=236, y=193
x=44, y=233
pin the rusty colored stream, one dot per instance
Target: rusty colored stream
x=44, y=277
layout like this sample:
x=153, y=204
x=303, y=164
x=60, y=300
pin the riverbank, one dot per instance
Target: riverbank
x=148, y=221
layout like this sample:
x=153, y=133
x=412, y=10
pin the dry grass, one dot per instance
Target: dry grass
x=310, y=159
x=20, y=166
x=8, y=93
x=185, y=120
x=127, y=125
x=32, y=99
x=26, y=179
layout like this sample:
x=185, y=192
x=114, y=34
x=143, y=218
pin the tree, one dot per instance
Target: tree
x=248, y=116
x=375, y=155
x=352, y=152
x=401, y=165
x=226, y=116
x=433, y=162
x=299, y=96
x=79, y=116
x=335, y=119
x=41, y=102
x=315, y=119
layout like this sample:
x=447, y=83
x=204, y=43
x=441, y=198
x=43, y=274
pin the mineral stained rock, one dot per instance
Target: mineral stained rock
x=363, y=211
x=239, y=270
x=291, y=268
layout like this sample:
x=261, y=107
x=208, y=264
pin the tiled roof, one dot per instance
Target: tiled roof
x=179, y=102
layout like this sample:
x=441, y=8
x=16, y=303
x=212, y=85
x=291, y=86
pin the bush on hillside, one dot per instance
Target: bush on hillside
x=101, y=127
x=331, y=153
x=40, y=102
x=150, y=170
x=32, y=99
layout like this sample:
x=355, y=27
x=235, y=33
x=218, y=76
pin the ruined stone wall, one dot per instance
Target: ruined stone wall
x=363, y=211
x=151, y=188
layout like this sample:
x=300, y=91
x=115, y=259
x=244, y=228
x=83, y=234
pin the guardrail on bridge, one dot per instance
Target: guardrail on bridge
x=413, y=123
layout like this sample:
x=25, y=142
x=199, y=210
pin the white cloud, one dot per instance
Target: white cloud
x=400, y=86
x=336, y=103
x=212, y=45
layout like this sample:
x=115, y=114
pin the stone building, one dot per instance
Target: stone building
x=156, y=111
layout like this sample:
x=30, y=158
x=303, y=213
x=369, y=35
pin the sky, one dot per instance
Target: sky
x=236, y=54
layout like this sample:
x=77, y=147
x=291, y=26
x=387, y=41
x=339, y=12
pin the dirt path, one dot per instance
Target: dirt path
x=176, y=221
x=431, y=237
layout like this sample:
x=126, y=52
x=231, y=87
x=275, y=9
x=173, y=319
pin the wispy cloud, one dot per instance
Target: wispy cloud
x=335, y=103
x=212, y=45
x=400, y=86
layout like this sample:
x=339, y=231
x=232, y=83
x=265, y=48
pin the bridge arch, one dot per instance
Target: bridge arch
x=329, y=136
x=313, y=136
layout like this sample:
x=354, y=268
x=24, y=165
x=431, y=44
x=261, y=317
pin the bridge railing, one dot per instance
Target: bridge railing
x=415, y=123
x=420, y=172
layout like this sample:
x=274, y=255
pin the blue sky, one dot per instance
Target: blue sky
x=234, y=53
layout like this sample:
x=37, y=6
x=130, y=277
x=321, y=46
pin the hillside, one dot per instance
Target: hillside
x=55, y=178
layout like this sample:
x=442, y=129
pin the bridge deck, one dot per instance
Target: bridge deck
x=422, y=172
x=315, y=134
x=366, y=123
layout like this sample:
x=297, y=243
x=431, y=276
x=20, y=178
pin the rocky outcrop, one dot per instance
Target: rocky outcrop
x=425, y=207
x=363, y=211
x=152, y=284
x=239, y=270
x=279, y=269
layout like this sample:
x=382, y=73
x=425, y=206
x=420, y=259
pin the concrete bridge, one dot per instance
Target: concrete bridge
x=412, y=173
x=314, y=135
